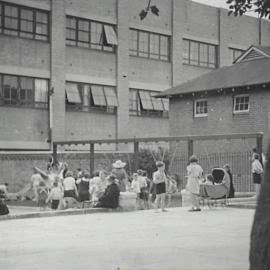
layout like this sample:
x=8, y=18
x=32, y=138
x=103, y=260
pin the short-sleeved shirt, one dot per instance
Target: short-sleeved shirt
x=69, y=183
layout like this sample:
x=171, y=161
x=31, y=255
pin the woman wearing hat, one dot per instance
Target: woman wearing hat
x=159, y=178
x=121, y=175
x=195, y=174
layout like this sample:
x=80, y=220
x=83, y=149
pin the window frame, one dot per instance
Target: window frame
x=197, y=61
x=30, y=98
x=18, y=31
x=148, y=53
x=198, y=114
x=235, y=104
x=102, y=44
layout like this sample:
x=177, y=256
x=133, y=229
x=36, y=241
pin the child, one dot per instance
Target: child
x=55, y=196
x=257, y=171
x=135, y=187
x=171, y=188
x=42, y=195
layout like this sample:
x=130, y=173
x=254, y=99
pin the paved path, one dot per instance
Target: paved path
x=211, y=239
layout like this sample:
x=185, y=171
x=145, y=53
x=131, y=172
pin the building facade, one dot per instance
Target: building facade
x=88, y=69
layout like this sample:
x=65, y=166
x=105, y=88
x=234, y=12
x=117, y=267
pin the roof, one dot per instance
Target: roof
x=246, y=73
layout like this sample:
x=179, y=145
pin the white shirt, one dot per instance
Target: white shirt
x=257, y=167
x=142, y=181
x=69, y=183
x=135, y=186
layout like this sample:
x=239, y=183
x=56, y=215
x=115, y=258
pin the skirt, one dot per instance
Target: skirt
x=161, y=188
x=55, y=204
x=257, y=178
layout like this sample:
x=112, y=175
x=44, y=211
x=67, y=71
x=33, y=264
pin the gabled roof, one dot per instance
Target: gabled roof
x=246, y=73
x=253, y=52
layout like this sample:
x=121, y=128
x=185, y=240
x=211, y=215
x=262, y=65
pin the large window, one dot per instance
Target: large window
x=143, y=103
x=235, y=53
x=149, y=45
x=241, y=104
x=23, y=91
x=86, y=97
x=199, y=54
x=90, y=34
x=200, y=108
x=24, y=22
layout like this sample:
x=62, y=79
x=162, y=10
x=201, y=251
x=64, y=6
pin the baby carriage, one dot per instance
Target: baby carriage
x=218, y=191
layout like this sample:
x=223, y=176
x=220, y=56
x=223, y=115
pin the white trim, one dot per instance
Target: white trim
x=150, y=29
x=90, y=79
x=237, y=46
x=86, y=15
x=201, y=39
x=242, y=111
x=148, y=86
x=22, y=71
x=194, y=105
x=31, y=145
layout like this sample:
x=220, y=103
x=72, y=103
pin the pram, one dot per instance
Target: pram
x=218, y=192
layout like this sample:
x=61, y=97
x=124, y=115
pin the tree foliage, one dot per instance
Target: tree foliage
x=148, y=8
x=240, y=7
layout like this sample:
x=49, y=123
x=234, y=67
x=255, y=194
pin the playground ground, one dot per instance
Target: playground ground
x=211, y=239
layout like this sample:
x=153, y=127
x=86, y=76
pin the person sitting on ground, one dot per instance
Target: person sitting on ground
x=110, y=198
x=83, y=186
x=94, y=187
x=55, y=195
x=69, y=186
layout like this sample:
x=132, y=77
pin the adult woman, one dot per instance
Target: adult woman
x=194, y=173
x=231, y=190
x=83, y=186
x=120, y=174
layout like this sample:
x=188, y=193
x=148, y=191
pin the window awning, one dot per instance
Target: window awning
x=146, y=100
x=111, y=96
x=157, y=103
x=166, y=104
x=110, y=35
x=73, y=94
x=98, y=95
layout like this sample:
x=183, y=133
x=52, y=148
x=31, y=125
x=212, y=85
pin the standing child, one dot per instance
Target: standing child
x=55, y=196
x=42, y=195
x=135, y=187
x=257, y=171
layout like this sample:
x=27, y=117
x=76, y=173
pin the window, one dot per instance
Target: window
x=148, y=45
x=235, y=53
x=199, y=54
x=241, y=104
x=90, y=34
x=23, y=91
x=24, y=22
x=86, y=97
x=200, y=108
x=143, y=103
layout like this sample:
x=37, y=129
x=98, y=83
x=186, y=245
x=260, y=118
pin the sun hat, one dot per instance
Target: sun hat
x=118, y=164
x=160, y=163
x=193, y=158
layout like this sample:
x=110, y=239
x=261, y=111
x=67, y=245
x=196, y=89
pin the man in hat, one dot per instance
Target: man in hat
x=120, y=174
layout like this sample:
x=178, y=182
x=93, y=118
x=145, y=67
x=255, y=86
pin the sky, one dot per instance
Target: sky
x=220, y=3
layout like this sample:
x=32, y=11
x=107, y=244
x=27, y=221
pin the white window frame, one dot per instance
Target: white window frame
x=195, y=106
x=234, y=103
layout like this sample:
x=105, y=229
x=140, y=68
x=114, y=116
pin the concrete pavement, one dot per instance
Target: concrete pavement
x=211, y=239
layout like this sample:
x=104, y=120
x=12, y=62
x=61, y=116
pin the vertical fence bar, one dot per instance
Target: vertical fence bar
x=92, y=158
x=54, y=152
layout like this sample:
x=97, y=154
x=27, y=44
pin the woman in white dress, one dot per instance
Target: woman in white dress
x=195, y=175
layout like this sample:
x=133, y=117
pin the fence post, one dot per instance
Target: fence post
x=136, y=155
x=190, y=148
x=54, y=152
x=92, y=158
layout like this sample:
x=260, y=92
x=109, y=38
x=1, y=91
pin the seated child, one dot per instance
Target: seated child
x=209, y=180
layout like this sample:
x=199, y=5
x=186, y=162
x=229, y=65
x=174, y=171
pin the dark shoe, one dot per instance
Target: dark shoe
x=194, y=210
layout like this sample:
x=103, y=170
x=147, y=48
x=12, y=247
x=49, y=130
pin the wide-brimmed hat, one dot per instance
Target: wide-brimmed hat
x=160, y=163
x=193, y=158
x=118, y=164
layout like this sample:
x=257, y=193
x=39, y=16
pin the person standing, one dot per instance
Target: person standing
x=231, y=190
x=159, y=178
x=194, y=174
x=69, y=185
x=120, y=174
x=257, y=171
x=35, y=181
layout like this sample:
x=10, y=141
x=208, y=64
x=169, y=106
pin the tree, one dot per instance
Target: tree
x=240, y=7
x=145, y=11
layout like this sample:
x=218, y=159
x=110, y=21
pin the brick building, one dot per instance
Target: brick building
x=87, y=69
x=231, y=99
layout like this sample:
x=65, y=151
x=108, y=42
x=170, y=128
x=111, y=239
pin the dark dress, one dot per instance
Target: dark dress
x=110, y=198
x=83, y=190
x=231, y=191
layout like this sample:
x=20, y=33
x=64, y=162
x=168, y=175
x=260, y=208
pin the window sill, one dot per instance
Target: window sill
x=32, y=107
x=29, y=38
x=148, y=58
x=241, y=113
x=150, y=114
x=201, y=116
x=101, y=110
x=92, y=49
x=192, y=65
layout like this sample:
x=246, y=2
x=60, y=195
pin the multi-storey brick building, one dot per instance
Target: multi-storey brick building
x=87, y=69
